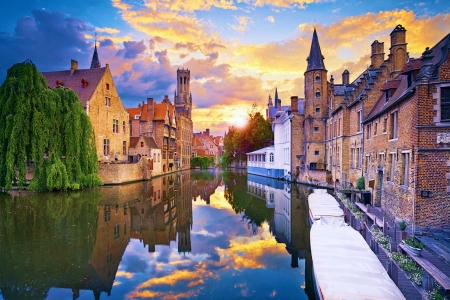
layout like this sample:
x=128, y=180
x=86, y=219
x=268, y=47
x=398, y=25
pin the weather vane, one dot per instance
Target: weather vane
x=95, y=38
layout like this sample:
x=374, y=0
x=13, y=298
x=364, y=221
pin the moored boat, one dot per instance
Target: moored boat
x=323, y=204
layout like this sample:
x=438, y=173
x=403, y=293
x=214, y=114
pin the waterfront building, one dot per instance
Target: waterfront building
x=207, y=145
x=98, y=94
x=145, y=146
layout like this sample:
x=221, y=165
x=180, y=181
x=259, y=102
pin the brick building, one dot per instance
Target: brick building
x=207, y=145
x=97, y=92
x=390, y=125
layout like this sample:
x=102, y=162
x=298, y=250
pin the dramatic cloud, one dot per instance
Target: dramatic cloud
x=132, y=49
x=49, y=39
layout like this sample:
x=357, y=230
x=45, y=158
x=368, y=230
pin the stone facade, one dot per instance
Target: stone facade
x=97, y=92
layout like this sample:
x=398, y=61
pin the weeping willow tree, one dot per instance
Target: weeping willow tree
x=46, y=128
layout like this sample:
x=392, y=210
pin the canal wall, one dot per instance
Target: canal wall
x=121, y=173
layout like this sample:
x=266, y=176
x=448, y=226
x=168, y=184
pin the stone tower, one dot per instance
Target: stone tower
x=183, y=96
x=316, y=97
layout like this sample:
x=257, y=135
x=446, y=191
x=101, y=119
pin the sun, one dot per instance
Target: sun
x=239, y=121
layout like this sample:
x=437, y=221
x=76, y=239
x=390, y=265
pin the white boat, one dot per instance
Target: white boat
x=345, y=267
x=323, y=204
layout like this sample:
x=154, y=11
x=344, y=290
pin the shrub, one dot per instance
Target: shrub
x=361, y=183
x=402, y=225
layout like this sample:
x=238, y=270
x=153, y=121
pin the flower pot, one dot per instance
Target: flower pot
x=414, y=251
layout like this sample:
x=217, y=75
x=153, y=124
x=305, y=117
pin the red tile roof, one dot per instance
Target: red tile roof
x=160, y=111
x=73, y=82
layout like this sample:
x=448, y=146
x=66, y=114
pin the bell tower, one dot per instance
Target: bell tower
x=183, y=97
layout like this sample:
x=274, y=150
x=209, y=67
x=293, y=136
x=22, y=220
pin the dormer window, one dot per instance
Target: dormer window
x=388, y=95
x=410, y=78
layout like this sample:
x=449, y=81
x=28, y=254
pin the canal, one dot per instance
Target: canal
x=193, y=234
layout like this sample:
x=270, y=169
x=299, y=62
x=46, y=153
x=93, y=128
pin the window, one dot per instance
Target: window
x=107, y=210
x=445, y=104
x=142, y=144
x=338, y=159
x=392, y=167
x=123, y=127
x=158, y=157
x=369, y=131
x=316, y=152
x=106, y=147
x=385, y=125
x=393, y=125
x=358, y=160
x=125, y=228
x=317, y=94
x=116, y=231
x=316, y=128
x=107, y=87
x=108, y=101
x=271, y=157
x=388, y=95
x=131, y=128
x=375, y=127
x=360, y=120
x=405, y=171
x=124, y=147
x=317, y=110
x=115, y=126
x=317, y=78
x=313, y=166
x=352, y=161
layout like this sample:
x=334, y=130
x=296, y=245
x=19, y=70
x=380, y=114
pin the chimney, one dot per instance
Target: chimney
x=345, y=77
x=377, y=57
x=398, y=51
x=207, y=131
x=73, y=66
x=150, y=110
x=166, y=99
x=294, y=104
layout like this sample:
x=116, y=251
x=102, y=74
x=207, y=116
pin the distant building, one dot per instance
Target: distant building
x=97, y=92
x=205, y=144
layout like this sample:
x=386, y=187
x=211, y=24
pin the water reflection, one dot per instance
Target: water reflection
x=190, y=234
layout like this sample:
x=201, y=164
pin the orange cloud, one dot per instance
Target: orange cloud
x=107, y=30
x=243, y=23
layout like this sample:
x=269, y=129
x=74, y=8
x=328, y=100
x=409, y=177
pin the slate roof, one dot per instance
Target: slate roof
x=411, y=65
x=273, y=110
x=391, y=84
x=95, y=63
x=340, y=89
x=73, y=82
x=315, y=58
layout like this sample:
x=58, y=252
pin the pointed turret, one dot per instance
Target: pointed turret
x=269, y=102
x=315, y=58
x=276, y=97
x=95, y=61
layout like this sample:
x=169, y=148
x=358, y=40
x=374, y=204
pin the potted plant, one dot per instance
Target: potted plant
x=402, y=225
x=413, y=245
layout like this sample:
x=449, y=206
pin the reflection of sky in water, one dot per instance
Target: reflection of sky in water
x=227, y=261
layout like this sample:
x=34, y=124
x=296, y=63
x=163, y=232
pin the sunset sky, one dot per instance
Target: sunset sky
x=238, y=51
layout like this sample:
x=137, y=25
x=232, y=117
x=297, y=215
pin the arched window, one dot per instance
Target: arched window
x=271, y=157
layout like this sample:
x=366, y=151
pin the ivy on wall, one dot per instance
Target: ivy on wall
x=45, y=128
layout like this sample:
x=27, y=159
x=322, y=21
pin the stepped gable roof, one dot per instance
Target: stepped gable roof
x=402, y=92
x=315, y=58
x=411, y=65
x=73, y=82
x=391, y=84
x=340, y=89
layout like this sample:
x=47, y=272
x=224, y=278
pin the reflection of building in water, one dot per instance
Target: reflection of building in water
x=183, y=197
x=290, y=223
x=153, y=221
x=204, y=188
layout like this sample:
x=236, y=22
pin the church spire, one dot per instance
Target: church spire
x=315, y=59
x=95, y=63
x=276, y=97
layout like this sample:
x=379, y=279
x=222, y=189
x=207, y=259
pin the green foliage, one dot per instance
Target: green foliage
x=361, y=183
x=413, y=242
x=202, y=175
x=256, y=134
x=203, y=162
x=47, y=129
x=236, y=193
x=409, y=266
x=46, y=241
x=402, y=225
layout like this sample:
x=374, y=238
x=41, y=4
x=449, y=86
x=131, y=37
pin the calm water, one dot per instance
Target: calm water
x=205, y=235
